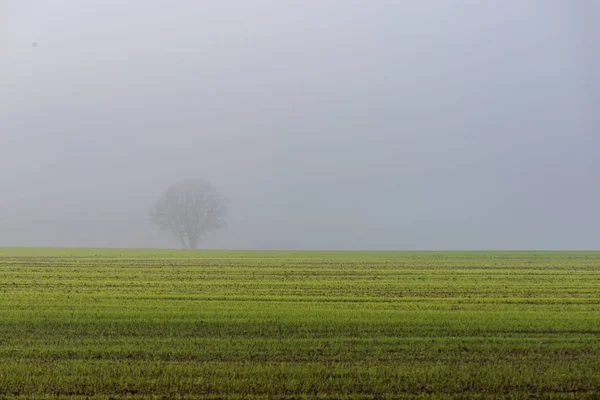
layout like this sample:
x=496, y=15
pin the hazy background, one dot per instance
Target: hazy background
x=440, y=124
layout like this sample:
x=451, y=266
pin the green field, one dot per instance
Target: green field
x=257, y=325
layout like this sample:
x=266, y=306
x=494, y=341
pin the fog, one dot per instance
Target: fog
x=439, y=124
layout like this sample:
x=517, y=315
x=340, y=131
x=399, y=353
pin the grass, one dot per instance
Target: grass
x=112, y=323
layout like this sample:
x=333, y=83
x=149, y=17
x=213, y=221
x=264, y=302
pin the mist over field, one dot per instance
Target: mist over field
x=328, y=124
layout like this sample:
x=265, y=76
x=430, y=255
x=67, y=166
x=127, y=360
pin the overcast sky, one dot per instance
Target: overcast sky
x=440, y=124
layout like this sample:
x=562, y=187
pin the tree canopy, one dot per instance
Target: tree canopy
x=189, y=209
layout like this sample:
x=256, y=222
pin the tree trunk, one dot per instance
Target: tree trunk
x=193, y=241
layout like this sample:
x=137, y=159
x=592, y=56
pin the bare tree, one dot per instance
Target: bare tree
x=189, y=209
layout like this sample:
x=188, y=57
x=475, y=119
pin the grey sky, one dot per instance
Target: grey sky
x=440, y=124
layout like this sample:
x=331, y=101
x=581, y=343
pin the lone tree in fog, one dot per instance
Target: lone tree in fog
x=189, y=209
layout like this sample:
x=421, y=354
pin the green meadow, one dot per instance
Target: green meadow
x=111, y=324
